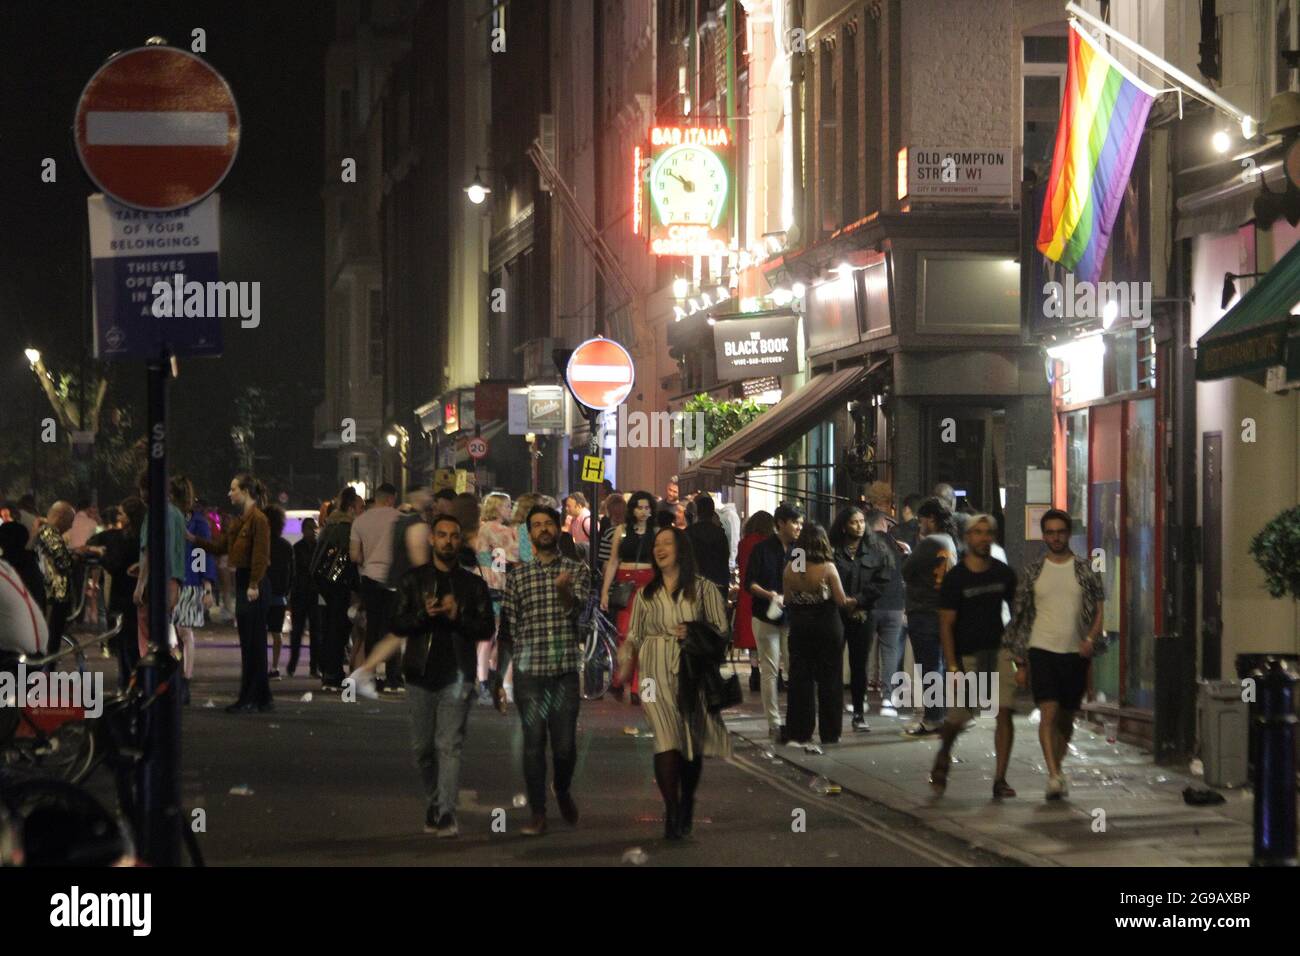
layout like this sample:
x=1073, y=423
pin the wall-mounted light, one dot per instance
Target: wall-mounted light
x=1221, y=141
x=477, y=191
x=799, y=290
x=1230, y=285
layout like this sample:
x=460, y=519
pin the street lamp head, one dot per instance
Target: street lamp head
x=392, y=439
x=33, y=355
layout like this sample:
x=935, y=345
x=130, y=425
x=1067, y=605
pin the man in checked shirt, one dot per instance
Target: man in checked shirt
x=543, y=599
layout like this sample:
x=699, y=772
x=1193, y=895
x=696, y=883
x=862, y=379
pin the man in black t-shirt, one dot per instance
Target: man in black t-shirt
x=970, y=627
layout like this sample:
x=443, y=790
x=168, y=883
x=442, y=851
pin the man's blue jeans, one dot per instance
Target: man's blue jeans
x=923, y=629
x=888, y=626
x=548, y=706
x=438, y=719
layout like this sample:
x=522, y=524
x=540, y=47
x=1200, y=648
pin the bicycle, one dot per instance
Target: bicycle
x=56, y=741
x=600, y=651
x=113, y=739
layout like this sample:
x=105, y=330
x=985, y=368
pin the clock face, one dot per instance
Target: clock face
x=689, y=185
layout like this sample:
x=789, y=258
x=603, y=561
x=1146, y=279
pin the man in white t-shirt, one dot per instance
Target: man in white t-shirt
x=370, y=545
x=1056, y=629
x=22, y=624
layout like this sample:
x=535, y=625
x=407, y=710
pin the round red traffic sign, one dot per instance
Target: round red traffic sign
x=477, y=448
x=600, y=374
x=157, y=128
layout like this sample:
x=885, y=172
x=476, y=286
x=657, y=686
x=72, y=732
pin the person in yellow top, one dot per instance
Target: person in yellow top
x=247, y=540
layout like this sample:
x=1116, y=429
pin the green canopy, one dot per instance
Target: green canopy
x=1252, y=335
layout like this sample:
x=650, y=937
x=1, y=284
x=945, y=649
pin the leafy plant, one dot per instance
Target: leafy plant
x=1276, y=549
x=722, y=419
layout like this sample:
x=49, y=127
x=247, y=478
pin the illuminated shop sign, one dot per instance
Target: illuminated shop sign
x=690, y=191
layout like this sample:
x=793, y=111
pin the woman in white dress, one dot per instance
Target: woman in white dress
x=676, y=594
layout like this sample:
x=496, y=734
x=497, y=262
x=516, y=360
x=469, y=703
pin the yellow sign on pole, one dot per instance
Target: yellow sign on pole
x=593, y=469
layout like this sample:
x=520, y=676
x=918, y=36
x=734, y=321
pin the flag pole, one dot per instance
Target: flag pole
x=1248, y=124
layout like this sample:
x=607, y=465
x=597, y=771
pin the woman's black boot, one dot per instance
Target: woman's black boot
x=672, y=821
x=684, y=818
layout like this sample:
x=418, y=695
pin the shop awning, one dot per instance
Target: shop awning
x=1252, y=335
x=772, y=431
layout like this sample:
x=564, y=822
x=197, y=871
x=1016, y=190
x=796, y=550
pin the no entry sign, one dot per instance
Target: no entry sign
x=157, y=128
x=600, y=374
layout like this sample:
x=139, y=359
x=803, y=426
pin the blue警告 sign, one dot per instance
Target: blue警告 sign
x=130, y=251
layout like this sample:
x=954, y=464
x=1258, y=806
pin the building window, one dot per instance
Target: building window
x=968, y=293
x=1286, y=36
x=828, y=126
x=850, y=146
x=1042, y=73
x=375, y=318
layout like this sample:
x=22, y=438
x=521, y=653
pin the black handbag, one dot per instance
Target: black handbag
x=336, y=571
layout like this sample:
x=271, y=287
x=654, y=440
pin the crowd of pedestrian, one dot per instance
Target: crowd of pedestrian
x=446, y=599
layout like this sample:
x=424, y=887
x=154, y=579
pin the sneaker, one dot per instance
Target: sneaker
x=446, y=827
x=431, y=820
x=273, y=675
x=812, y=748
x=860, y=725
x=484, y=693
x=1055, y=787
x=331, y=687
x=919, y=729
x=536, y=826
x=888, y=710
x=363, y=681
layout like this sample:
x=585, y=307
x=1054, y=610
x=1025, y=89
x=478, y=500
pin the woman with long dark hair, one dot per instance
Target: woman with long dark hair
x=247, y=540
x=813, y=598
x=630, y=560
x=675, y=595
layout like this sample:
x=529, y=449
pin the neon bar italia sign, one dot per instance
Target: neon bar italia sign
x=689, y=183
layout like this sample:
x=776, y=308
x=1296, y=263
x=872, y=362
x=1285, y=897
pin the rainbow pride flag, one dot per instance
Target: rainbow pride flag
x=1103, y=114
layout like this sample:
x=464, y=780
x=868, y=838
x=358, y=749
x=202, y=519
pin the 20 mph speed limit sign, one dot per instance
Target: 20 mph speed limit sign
x=477, y=448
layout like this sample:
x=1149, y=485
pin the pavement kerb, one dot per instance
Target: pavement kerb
x=944, y=826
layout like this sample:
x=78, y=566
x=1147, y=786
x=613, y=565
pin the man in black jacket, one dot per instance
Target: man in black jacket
x=444, y=612
x=709, y=542
x=304, y=602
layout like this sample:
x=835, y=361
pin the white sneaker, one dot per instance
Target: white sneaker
x=1055, y=787
x=364, y=682
x=888, y=710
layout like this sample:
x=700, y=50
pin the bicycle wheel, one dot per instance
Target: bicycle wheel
x=70, y=753
x=598, y=662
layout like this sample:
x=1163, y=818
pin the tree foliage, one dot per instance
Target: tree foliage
x=722, y=419
x=1276, y=549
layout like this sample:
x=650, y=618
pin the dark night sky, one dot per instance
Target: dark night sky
x=272, y=54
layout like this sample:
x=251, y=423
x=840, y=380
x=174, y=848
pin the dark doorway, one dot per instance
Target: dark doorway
x=1211, y=555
